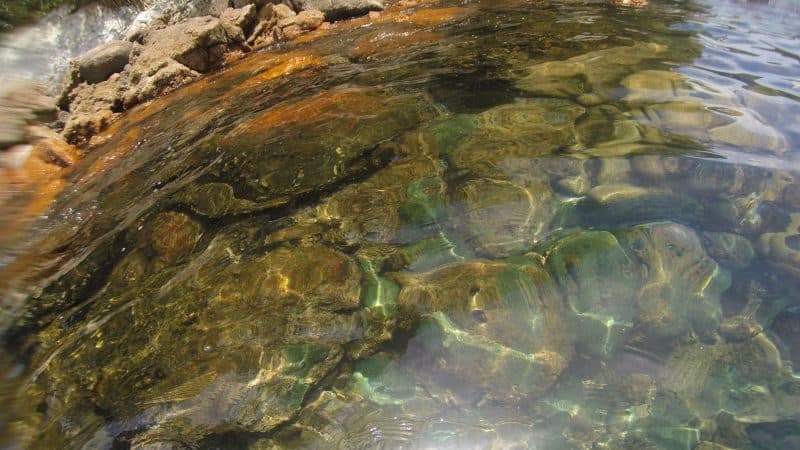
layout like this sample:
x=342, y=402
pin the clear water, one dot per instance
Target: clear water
x=473, y=224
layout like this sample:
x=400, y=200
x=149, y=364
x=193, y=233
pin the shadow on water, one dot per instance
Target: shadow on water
x=478, y=224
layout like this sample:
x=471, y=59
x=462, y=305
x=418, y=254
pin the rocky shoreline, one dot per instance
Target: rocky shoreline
x=40, y=136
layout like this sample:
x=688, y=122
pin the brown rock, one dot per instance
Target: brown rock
x=92, y=108
x=188, y=43
x=244, y=18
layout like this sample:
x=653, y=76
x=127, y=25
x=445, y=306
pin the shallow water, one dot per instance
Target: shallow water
x=473, y=224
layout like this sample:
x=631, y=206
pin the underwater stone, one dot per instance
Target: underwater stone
x=682, y=284
x=506, y=139
x=655, y=86
x=495, y=325
x=729, y=249
x=719, y=125
x=616, y=204
x=501, y=218
x=173, y=235
x=236, y=345
x=599, y=284
x=314, y=142
x=593, y=72
x=783, y=248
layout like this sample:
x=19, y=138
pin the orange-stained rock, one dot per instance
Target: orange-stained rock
x=352, y=102
x=380, y=41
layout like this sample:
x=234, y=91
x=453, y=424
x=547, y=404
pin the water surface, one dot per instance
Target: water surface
x=472, y=224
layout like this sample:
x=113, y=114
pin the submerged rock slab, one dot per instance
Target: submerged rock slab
x=233, y=343
x=495, y=326
x=593, y=72
x=681, y=283
x=302, y=147
x=599, y=283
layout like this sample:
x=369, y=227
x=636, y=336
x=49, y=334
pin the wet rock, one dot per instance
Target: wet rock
x=783, y=248
x=682, y=284
x=593, y=72
x=729, y=249
x=616, y=204
x=495, y=326
x=400, y=203
x=722, y=125
x=739, y=328
x=338, y=9
x=501, y=218
x=99, y=63
x=655, y=86
x=599, y=283
x=787, y=327
x=235, y=346
x=317, y=142
x=506, y=140
x=173, y=235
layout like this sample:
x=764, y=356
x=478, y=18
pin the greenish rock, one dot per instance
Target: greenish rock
x=401, y=202
x=618, y=204
x=425, y=204
x=508, y=139
x=429, y=253
x=450, y=133
x=489, y=327
x=236, y=343
x=599, y=283
x=729, y=249
x=499, y=218
x=217, y=200
x=692, y=118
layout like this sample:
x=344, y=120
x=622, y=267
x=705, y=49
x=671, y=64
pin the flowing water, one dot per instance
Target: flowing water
x=466, y=224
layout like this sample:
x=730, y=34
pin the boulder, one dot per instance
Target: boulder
x=244, y=18
x=93, y=107
x=338, y=9
x=99, y=63
x=193, y=43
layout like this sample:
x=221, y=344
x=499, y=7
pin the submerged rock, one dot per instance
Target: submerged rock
x=489, y=327
x=783, y=248
x=729, y=249
x=312, y=144
x=599, y=283
x=681, y=283
x=506, y=140
x=233, y=344
x=500, y=218
x=593, y=72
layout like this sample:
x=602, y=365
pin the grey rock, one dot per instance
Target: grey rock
x=339, y=9
x=99, y=63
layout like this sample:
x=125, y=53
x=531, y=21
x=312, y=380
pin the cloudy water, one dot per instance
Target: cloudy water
x=463, y=224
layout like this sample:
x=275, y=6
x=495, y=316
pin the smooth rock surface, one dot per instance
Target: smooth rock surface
x=99, y=63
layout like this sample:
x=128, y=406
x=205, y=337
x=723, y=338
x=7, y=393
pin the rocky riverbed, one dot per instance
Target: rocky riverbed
x=448, y=224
